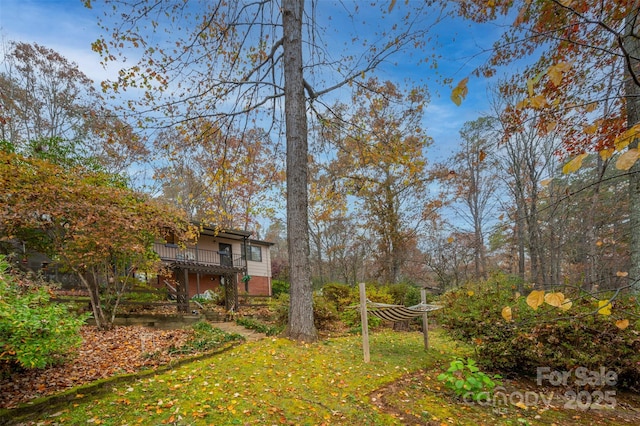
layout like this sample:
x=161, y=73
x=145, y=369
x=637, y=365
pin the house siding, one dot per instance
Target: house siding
x=258, y=286
x=260, y=272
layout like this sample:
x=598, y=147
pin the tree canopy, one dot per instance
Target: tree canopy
x=84, y=221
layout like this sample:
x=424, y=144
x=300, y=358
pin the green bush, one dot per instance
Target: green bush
x=252, y=324
x=206, y=337
x=341, y=295
x=324, y=313
x=34, y=332
x=466, y=379
x=280, y=306
x=279, y=287
x=352, y=319
x=545, y=337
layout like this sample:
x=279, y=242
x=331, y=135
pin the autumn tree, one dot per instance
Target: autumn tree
x=221, y=179
x=473, y=182
x=331, y=227
x=380, y=158
x=587, y=214
x=85, y=221
x=526, y=158
x=44, y=97
x=447, y=256
x=235, y=62
x=584, y=80
x=276, y=234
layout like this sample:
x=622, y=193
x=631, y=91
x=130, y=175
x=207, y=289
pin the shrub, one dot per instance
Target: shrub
x=279, y=287
x=324, y=313
x=351, y=318
x=280, y=306
x=545, y=337
x=252, y=324
x=341, y=295
x=399, y=292
x=207, y=337
x=34, y=332
x=412, y=296
x=466, y=379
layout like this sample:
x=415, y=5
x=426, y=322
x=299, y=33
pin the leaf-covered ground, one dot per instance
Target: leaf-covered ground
x=102, y=354
x=276, y=381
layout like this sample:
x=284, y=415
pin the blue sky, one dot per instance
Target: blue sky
x=69, y=28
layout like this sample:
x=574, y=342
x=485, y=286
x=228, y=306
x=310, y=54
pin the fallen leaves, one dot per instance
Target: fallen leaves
x=507, y=314
x=103, y=354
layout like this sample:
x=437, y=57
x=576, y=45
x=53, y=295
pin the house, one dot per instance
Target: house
x=228, y=261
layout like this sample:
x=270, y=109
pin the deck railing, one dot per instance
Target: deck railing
x=173, y=252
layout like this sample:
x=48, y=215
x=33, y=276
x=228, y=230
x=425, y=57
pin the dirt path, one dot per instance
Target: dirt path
x=232, y=327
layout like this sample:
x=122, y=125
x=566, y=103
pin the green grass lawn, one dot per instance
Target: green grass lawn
x=272, y=381
x=277, y=381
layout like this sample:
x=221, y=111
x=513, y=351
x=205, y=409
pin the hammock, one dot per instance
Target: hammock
x=399, y=312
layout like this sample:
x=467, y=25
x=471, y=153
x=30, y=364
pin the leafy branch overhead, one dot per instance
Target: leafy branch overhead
x=585, y=76
x=557, y=299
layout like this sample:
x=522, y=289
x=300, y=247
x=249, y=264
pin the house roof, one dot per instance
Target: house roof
x=232, y=234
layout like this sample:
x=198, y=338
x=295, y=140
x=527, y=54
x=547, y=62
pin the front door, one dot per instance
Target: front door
x=226, y=258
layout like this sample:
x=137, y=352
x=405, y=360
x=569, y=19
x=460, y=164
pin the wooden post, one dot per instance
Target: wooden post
x=365, y=324
x=425, y=319
x=186, y=291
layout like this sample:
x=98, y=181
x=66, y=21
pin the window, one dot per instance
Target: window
x=254, y=253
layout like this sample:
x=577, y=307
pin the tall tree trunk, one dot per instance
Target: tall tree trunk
x=301, y=326
x=632, y=89
x=520, y=238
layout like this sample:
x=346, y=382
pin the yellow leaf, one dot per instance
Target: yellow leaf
x=470, y=293
x=522, y=104
x=506, y=313
x=460, y=91
x=521, y=405
x=591, y=129
x=538, y=101
x=622, y=324
x=556, y=71
x=545, y=182
x=628, y=159
x=591, y=107
x=566, y=305
x=604, y=307
x=535, y=299
x=574, y=164
x=533, y=81
x=624, y=139
x=517, y=294
x=622, y=274
x=450, y=240
x=554, y=299
x=599, y=243
x=550, y=126
x=606, y=153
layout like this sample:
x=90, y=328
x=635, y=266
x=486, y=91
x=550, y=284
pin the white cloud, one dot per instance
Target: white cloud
x=64, y=26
